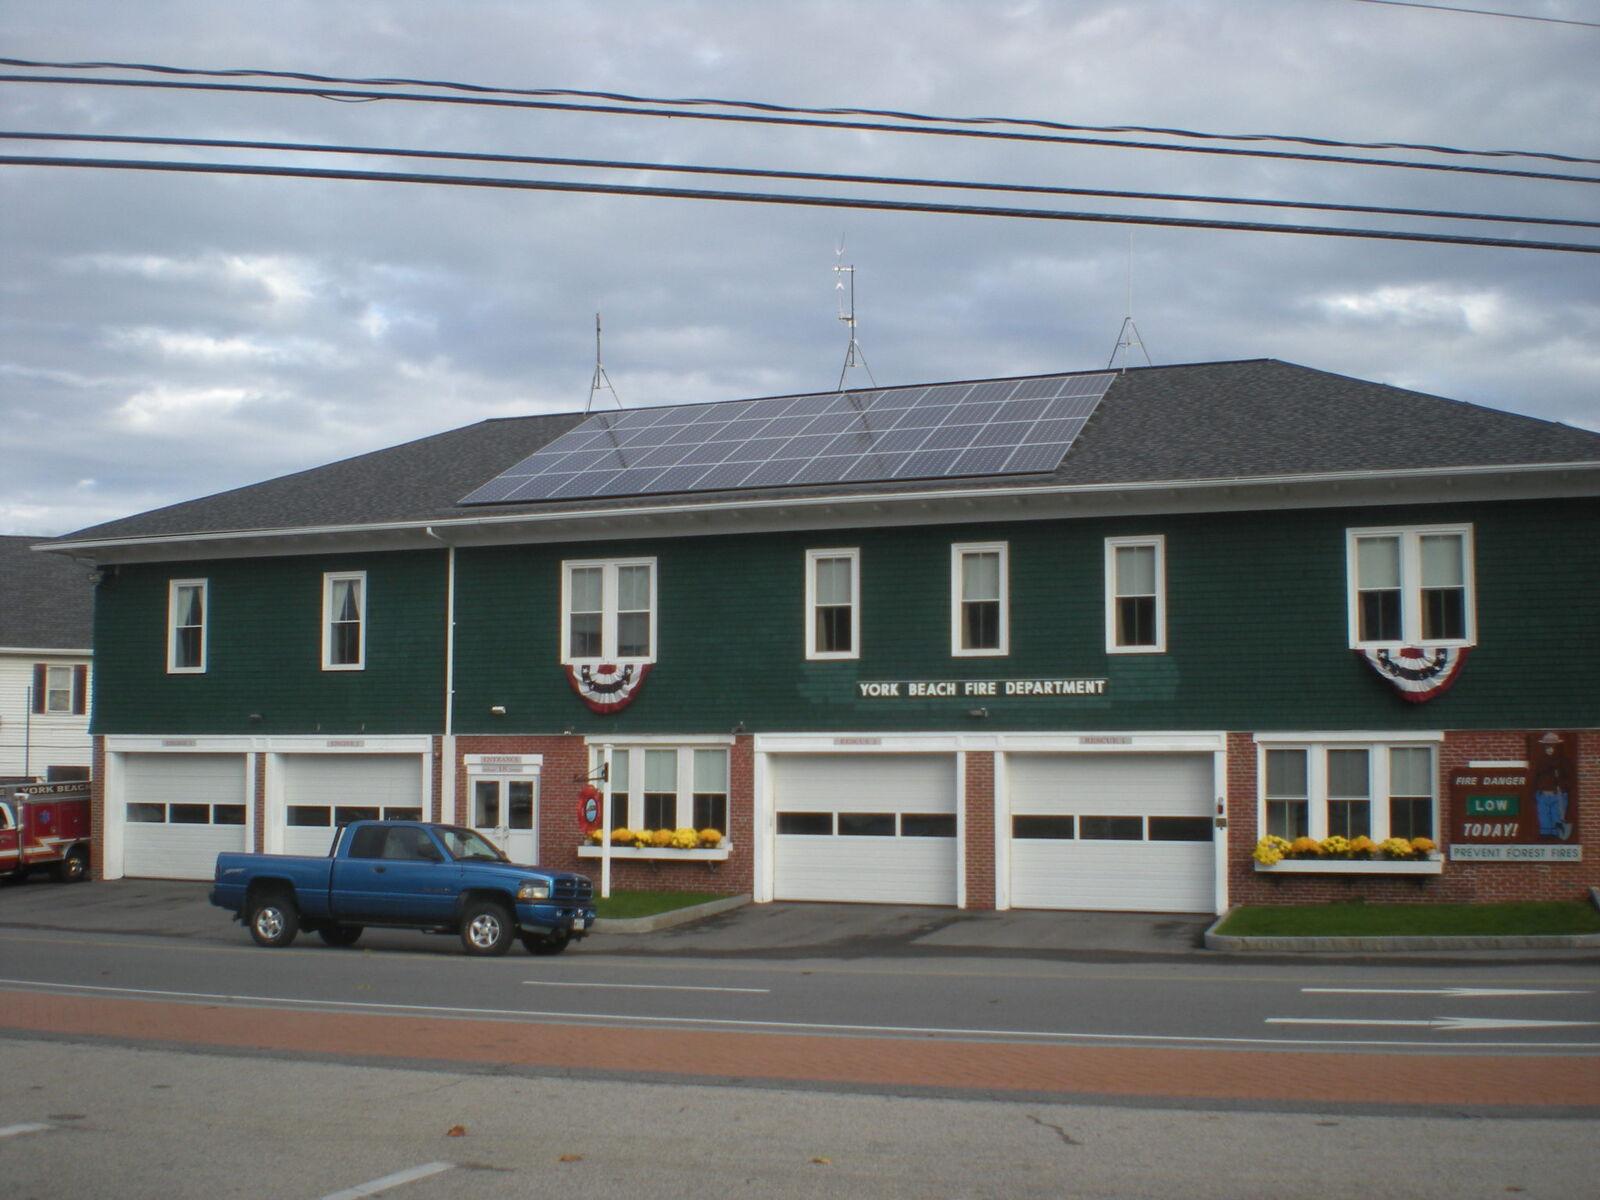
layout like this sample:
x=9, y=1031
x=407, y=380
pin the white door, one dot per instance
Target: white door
x=506, y=812
x=865, y=827
x=323, y=791
x=1129, y=832
x=180, y=812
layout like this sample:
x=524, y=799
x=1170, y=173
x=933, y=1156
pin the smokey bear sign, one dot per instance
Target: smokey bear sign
x=1519, y=812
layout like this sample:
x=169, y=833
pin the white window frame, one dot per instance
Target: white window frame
x=1380, y=792
x=330, y=578
x=51, y=691
x=172, y=625
x=608, y=568
x=813, y=557
x=1159, y=542
x=958, y=551
x=685, y=793
x=1410, y=537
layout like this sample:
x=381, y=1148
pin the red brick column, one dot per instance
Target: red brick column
x=97, y=808
x=980, y=829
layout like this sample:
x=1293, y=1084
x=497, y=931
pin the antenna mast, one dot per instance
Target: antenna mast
x=854, y=356
x=1128, y=336
x=601, y=379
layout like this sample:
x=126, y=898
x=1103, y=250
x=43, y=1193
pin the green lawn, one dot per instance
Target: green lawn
x=622, y=904
x=1416, y=920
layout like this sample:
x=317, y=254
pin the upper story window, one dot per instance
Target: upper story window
x=608, y=611
x=58, y=690
x=1411, y=586
x=344, y=621
x=1136, y=595
x=1351, y=789
x=979, y=607
x=186, y=626
x=833, y=603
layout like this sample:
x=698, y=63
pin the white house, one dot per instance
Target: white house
x=46, y=630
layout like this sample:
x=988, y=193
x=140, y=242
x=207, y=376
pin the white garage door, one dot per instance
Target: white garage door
x=866, y=827
x=1131, y=832
x=323, y=791
x=180, y=812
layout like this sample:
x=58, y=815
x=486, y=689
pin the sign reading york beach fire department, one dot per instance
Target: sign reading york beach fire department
x=1520, y=812
x=977, y=689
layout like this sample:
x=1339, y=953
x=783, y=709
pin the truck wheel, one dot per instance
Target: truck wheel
x=273, y=920
x=486, y=928
x=340, y=935
x=74, y=868
x=542, y=944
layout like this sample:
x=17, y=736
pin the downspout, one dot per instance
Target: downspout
x=447, y=743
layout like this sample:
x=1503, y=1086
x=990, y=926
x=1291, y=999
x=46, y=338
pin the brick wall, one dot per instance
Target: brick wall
x=980, y=829
x=97, y=808
x=1459, y=882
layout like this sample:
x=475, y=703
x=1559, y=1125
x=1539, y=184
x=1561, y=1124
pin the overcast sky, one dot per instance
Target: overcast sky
x=167, y=336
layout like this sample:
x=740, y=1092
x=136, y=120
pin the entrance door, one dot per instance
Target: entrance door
x=504, y=811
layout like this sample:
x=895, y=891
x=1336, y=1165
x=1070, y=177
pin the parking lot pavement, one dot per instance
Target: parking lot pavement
x=786, y=930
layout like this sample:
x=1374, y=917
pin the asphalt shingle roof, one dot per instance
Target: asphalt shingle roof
x=1205, y=421
x=46, y=601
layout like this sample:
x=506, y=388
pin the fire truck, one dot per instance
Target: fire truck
x=45, y=826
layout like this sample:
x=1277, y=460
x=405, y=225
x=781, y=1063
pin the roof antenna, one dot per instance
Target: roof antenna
x=601, y=379
x=854, y=356
x=1128, y=336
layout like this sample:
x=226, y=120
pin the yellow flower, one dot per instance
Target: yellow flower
x=1397, y=847
x=685, y=839
x=1335, y=846
x=1305, y=847
x=642, y=838
x=1362, y=845
x=622, y=837
x=597, y=836
x=661, y=837
x=1423, y=845
x=1269, y=850
x=711, y=837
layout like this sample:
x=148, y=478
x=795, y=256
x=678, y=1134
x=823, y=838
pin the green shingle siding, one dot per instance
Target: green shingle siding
x=1256, y=635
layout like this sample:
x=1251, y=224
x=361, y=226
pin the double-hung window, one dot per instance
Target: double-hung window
x=344, y=621
x=1411, y=586
x=608, y=611
x=979, y=608
x=58, y=690
x=833, y=603
x=1136, y=595
x=679, y=787
x=186, y=626
x=1347, y=788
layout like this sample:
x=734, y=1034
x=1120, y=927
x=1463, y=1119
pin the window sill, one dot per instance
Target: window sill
x=717, y=854
x=1352, y=866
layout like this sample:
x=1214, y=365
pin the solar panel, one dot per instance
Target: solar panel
x=997, y=427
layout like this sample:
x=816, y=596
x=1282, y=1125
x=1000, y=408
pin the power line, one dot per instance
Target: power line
x=798, y=122
x=1482, y=12
x=612, y=189
x=766, y=173
x=767, y=107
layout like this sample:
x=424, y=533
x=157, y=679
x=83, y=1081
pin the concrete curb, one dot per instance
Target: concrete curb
x=669, y=919
x=1230, y=944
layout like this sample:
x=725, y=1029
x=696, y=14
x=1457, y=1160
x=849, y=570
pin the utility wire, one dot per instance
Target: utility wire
x=801, y=122
x=761, y=106
x=762, y=173
x=610, y=189
x=1482, y=12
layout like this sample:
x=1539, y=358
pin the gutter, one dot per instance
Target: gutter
x=746, y=507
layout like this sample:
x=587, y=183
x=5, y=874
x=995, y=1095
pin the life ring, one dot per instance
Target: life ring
x=589, y=807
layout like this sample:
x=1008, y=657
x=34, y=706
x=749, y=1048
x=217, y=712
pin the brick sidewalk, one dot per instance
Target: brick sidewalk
x=1513, y=1081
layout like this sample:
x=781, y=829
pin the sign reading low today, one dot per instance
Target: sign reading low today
x=977, y=689
x=1519, y=811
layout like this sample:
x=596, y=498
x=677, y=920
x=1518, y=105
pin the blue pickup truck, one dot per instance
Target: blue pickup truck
x=408, y=875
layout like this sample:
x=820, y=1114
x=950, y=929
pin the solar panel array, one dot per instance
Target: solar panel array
x=996, y=427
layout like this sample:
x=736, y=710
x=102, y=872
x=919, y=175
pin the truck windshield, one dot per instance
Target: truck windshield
x=467, y=845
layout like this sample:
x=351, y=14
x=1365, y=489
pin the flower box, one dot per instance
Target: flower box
x=1352, y=866
x=714, y=854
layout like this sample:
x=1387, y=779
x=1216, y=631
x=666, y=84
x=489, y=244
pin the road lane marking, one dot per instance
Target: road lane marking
x=19, y=1130
x=645, y=987
x=1432, y=1023
x=589, y=1018
x=1459, y=992
x=398, y=1179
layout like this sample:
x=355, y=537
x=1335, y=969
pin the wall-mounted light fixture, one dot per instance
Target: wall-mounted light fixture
x=739, y=728
x=497, y=710
x=977, y=712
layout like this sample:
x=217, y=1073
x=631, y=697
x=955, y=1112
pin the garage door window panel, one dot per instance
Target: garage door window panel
x=805, y=824
x=853, y=824
x=1044, y=828
x=310, y=816
x=1111, y=829
x=928, y=825
x=147, y=814
x=1180, y=829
